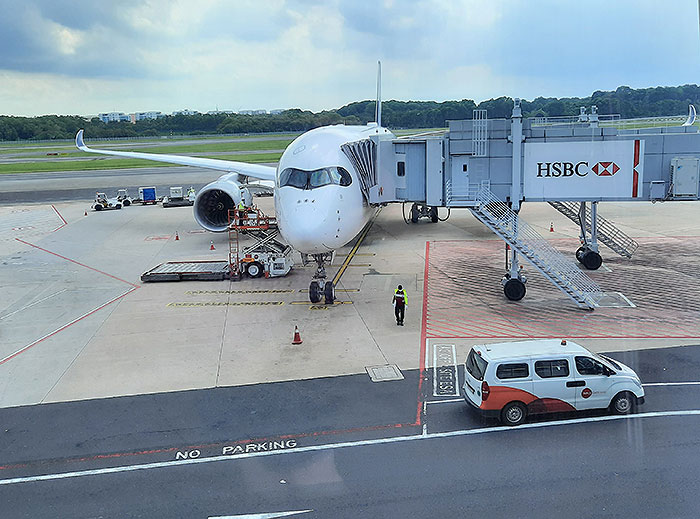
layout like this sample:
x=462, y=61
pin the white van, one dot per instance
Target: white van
x=513, y=379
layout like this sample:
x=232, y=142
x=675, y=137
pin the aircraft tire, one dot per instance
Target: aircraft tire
x=329, y=293
x=314, y=292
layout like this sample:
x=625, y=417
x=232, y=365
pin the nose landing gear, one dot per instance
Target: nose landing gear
x=319, y=286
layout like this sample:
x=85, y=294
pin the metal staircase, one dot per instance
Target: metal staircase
x=607, y=233
x=523, y=238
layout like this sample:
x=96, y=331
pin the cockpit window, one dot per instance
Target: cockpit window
x=302, y=179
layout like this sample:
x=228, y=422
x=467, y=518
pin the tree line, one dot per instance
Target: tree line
x=626, y=101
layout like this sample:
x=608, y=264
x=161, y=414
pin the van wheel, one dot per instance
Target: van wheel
x=623, y=403
x=513, y=414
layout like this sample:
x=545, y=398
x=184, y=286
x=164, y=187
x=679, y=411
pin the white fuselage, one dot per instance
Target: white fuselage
x=321, y=219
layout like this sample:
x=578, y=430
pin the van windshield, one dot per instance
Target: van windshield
x=607, y=361
x=476, y=366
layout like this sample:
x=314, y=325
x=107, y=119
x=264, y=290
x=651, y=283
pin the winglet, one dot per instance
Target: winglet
x=80, y=144
x=378, y=106
x=691, y=116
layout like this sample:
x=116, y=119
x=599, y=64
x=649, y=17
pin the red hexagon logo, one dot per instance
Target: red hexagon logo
x=586, y=392
x=605, y=169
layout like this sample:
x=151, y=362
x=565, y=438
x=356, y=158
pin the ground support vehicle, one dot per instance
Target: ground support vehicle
x=123, y=197
x=178, y=198
x=512, y=380
x=267, y=256
x=147, y=195
x=103, y=203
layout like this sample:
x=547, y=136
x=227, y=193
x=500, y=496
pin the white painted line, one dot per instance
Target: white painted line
x=272, y=515
x=671, y=384
x=454, y=359
x=446, y=401
x=425, y=418
x=32, y=304
x=34, y=343
x=344, y=445
x=427, y=355
x=435, y=367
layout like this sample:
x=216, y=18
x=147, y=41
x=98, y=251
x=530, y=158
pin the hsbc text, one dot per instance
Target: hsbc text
x=562, y=169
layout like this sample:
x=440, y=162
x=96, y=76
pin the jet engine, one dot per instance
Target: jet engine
x=214, y=201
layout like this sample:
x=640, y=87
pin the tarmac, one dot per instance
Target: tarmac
x=77, y=323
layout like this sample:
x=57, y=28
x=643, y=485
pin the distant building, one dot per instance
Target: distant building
x=252, y=112
x=186, y=111
x=276, y=111
x=112, y=117
x=219, y=112
x=140, y=116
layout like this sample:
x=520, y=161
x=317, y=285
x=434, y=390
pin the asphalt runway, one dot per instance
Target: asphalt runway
x=61, y=186
x=347, y=447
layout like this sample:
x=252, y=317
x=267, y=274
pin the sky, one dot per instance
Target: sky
x=85, y=56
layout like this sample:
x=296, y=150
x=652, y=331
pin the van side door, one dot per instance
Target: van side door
x=552, y=385
x=594, y=390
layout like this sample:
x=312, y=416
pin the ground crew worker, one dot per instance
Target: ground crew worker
x=400, y=303
x=242, y=212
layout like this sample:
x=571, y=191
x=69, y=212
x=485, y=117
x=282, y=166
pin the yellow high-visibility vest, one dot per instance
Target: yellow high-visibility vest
x=401, y=294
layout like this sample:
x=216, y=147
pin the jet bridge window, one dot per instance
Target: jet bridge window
x=302, y=179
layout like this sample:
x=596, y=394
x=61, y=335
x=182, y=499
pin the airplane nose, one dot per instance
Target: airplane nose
x=310, y=223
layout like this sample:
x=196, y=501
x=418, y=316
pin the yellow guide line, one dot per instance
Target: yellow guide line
x=191, y=304
x=352, y=253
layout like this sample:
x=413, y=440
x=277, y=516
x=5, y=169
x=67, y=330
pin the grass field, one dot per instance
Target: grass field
x=114, y=163
x=67, y=151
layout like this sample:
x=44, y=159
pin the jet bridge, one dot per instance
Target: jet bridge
x=492, y=166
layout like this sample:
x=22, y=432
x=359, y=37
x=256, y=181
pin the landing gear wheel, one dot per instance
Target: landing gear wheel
x=433, y=215
x=592, y=260
x=513, y=414
x=329, y=293
x=623, y=403
x=514, y=289
x=415, y=213
x=579, y=254
x=255, y=269
x=314, y=292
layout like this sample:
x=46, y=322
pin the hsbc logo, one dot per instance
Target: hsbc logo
x=605, y=169
x=579, y=169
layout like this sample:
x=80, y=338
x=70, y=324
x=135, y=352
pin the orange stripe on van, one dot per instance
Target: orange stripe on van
x=502, y=395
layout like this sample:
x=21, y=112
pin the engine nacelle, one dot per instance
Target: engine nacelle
x=214, y=201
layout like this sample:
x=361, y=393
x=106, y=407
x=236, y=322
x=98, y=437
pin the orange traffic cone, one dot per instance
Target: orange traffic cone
x=551, y=227
x=176, y=236
x=297, y=337
x=85, y=212
x=211, y=247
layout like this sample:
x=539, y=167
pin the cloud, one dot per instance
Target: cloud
x=169, y=54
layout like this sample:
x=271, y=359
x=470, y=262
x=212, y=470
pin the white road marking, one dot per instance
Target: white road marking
x=672, y=384
x=343, y=445
x=273, y=515
x=63, y=327
x=445, y=401
x=32, y=304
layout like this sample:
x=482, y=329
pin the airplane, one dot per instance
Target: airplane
x=319, y=202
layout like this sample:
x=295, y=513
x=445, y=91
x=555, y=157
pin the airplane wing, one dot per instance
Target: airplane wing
x=251, y=170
